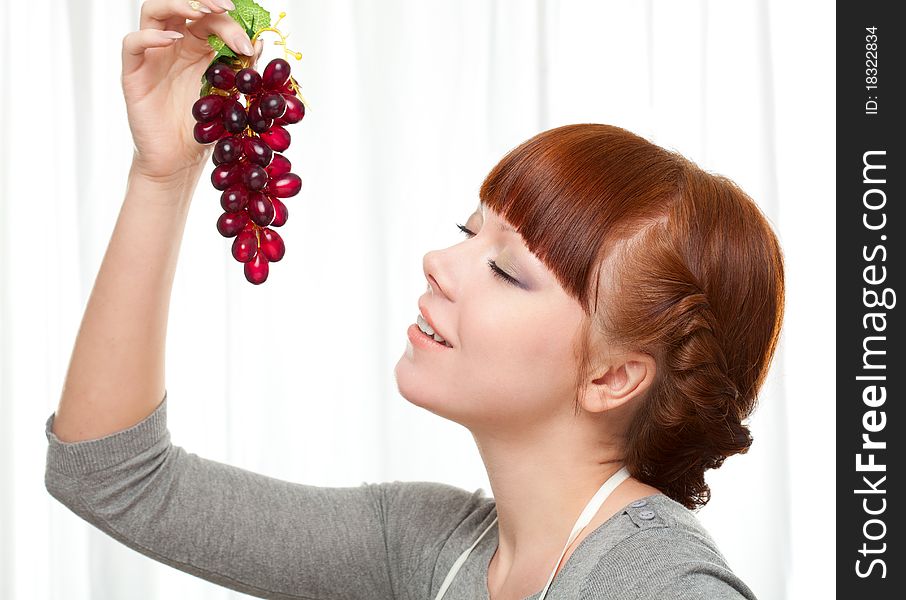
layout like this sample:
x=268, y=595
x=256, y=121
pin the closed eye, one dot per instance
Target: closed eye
x=498, y=272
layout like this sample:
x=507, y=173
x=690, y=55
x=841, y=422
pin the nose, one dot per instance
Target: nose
x=431, y=265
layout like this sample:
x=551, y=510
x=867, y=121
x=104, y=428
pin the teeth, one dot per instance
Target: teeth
x=423, y=325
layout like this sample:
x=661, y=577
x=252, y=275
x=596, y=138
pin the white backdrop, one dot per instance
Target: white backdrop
x=410, y=105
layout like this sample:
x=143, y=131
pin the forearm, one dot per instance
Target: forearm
x=116, y=372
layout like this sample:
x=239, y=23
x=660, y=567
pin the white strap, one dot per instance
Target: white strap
x=462, y=558
x=585, y=518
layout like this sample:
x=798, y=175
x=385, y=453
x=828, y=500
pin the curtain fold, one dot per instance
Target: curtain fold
x=411, y=104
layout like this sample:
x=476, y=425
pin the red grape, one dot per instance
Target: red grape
x=281, y=213
x=257, y=122
x=227, y=150
x=260, y=209
x=256, y=269
x=295, y=110
x=272, y=105
x=234, y=198
x=221, y=76
x=248, y=81
x=277, y=138
x=257, y=151
x=205, y=133
x=279, y=165
x=254, y=177
x=207, y=108
x=272, y=245
x=234, y=117
x=226, y=174
x=284, y=186
x=275, y=74
x=231, y=223
x=245, y=246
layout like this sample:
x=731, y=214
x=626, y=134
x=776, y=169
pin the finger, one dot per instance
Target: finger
x=155, y=14
x=136, y=42
x=259, y=48
x=224, y=27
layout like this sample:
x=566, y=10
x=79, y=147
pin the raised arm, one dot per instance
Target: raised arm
x=116, y=372
x=110, y=459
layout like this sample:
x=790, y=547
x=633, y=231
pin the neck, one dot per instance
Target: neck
x=541, y=480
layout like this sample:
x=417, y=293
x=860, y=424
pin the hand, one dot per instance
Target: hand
x=161, y=79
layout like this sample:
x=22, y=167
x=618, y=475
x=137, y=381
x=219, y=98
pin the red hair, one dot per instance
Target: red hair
x=687, y=269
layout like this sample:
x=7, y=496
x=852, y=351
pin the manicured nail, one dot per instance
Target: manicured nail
x=245, y=45
x=204, y=9
x=226, y=4
x=173, y=35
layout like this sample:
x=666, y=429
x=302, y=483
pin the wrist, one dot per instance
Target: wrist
x=177, y=186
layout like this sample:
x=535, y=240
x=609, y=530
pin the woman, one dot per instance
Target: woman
x=603, y=332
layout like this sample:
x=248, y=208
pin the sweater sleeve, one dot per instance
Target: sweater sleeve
x=424, y=521
x=242, y=530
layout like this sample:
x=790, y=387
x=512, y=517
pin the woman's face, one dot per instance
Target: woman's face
x=512, y=364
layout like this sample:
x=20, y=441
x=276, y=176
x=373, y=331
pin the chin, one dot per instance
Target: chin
x=423, y=394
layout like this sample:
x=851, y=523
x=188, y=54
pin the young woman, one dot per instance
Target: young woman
x=602, y=331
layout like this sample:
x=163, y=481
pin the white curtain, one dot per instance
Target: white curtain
x=410, y=105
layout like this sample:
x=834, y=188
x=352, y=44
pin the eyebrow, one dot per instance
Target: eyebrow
x=503, y=225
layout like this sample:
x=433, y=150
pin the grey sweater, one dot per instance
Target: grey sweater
x=276, y=539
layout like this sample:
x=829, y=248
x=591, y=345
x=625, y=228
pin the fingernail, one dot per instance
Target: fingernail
x=226, y=4
x=245, y=45
x=204, y=9
x=173, y=35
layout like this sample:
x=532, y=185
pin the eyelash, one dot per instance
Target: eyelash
x=498, y=272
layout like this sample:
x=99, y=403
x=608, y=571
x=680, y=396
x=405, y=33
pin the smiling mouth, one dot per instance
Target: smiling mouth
x=422, y=324
x=445, y=343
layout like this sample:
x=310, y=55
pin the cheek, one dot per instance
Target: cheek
x=546, y=345
x=524, y=351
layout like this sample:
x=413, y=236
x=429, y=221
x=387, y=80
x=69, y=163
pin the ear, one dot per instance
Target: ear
x=620, y=380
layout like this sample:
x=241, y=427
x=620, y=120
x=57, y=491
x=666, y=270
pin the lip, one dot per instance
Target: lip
x=424, y=310
x=420, y=339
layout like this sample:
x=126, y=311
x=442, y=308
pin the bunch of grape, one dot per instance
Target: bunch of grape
x=250, y=171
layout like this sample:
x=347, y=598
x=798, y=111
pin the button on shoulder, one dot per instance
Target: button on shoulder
x=644, y=514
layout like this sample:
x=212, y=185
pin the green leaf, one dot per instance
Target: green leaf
x=251, y=17
x=260, y=17
x=220, y=47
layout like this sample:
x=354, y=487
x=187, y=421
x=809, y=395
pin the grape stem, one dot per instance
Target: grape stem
x=246, y=61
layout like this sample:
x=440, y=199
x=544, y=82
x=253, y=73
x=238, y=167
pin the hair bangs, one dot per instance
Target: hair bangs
x=565, y=192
